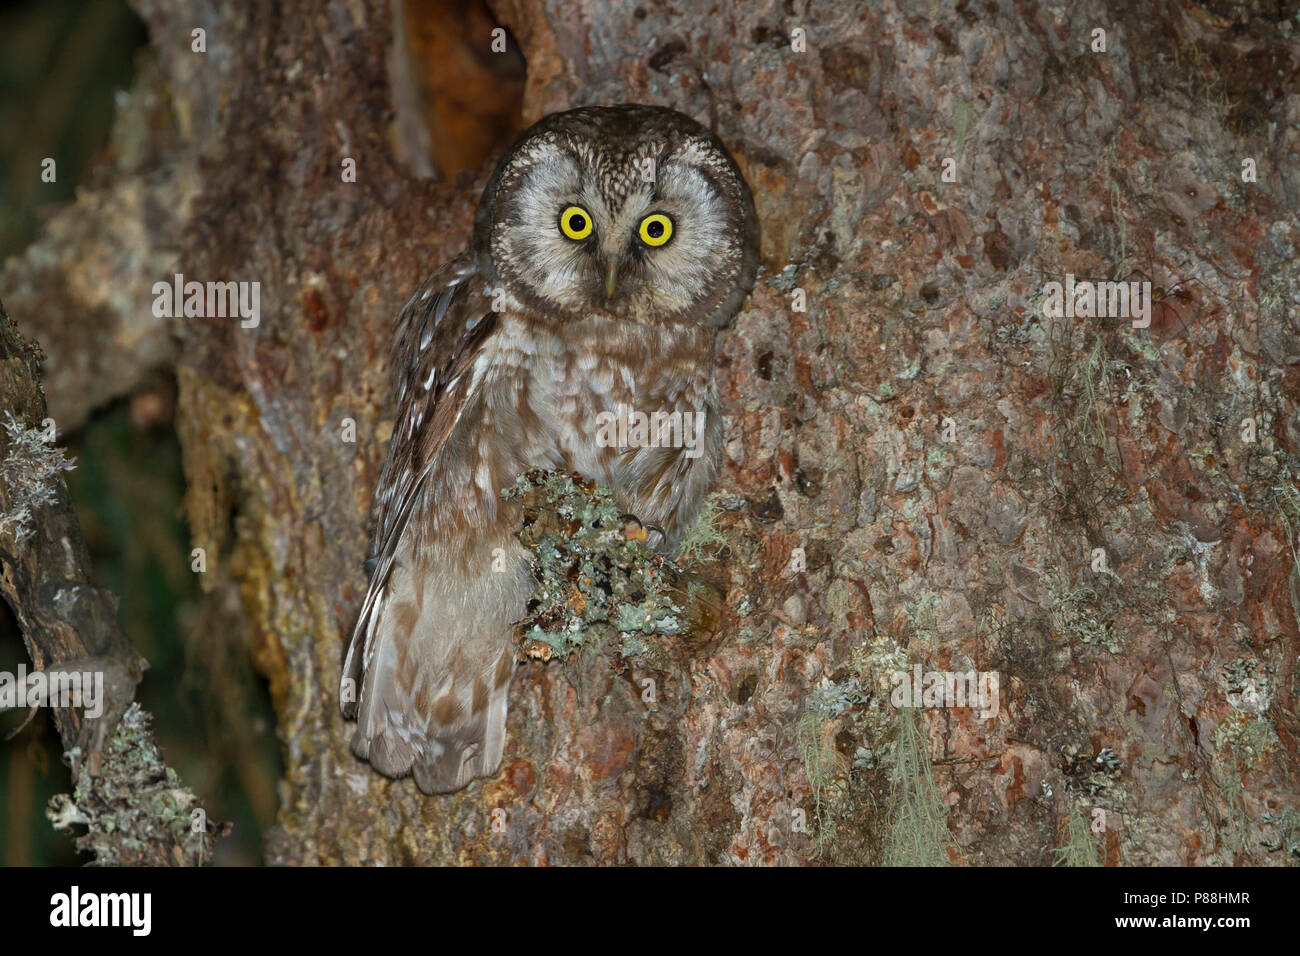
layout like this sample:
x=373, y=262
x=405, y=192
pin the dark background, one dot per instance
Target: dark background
x=62, y=62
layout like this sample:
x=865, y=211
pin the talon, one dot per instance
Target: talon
x=638, y=533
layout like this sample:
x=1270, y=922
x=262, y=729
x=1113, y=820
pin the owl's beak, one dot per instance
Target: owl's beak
x=611, y=279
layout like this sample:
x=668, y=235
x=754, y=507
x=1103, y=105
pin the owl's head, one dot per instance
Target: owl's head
x=633, y=212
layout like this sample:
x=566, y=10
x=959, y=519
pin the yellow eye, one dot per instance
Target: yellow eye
x=575, y=222
x=656, y=229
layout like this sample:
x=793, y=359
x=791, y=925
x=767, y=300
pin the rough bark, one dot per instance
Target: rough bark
x=134, y=808
x=79, y=289
x=1161, y=690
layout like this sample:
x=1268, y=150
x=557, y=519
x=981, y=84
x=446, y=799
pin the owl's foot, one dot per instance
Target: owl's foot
x=635, y=529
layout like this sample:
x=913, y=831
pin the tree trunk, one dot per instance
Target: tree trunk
x=922, y=468
x=135, y=810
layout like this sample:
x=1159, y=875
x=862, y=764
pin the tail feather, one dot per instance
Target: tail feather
x=459, y=757
x=436, y=682
x=458, y=743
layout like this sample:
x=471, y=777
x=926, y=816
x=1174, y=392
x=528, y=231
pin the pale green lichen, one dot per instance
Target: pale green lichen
x=29, y=474
x=834, y=698
x=850, y=814
x=704, y=538
x=594, y=574
x=1080, y=613
x=1286, y=839
x=1241, y=742
x=1080, y=846
x=136, y=810
x=825, y=767
x=1246, y=738
x=1246, y=684
x=874, y=798
x=1089, y=773
x=918, y=831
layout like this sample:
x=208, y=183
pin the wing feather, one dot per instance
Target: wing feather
x=439, y=333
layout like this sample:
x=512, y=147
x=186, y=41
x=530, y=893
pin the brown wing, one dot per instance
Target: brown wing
x=439, y=333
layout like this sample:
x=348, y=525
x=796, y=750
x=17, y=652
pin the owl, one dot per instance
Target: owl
x=609, y=247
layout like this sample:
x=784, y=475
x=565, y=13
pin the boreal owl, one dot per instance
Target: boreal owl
x=609, y=247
